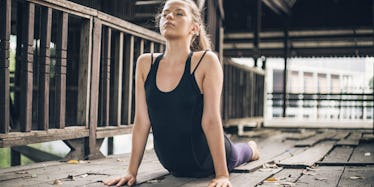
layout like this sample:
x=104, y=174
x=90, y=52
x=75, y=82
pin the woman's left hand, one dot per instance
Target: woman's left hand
x=220, y=182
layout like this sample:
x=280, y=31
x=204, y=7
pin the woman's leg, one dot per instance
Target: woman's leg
x=242, y=153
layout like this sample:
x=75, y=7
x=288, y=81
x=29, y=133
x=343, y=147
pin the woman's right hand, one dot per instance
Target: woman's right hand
x=128, y=179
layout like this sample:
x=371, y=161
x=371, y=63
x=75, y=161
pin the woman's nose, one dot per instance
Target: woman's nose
x=169, y=15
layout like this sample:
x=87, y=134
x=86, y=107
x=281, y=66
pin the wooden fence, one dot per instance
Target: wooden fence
x=74, y=76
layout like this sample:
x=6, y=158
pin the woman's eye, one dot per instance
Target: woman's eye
x=179, y=14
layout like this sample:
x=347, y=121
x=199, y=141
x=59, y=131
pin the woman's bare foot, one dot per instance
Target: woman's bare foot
x=255, y=151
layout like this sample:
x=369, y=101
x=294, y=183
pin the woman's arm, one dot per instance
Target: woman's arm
x=211, y=121
x=141, y=128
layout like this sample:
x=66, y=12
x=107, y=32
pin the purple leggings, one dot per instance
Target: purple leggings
x=240, y=153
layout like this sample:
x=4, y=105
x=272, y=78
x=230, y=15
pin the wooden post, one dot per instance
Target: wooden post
x=44, y=68
x=27, y=67
x=94, y=94
x=106, y=77
x=285, y=41
x=152, y=47
x=257, y=31
x=61, y=47
x=127, y=94
x=15, y=158
x=117, y=92
x=5, y=7
x=141, y=46
x=84, y=73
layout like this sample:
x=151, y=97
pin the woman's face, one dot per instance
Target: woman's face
x=176, y=20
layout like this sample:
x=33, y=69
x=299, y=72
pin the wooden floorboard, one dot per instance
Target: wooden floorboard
x=320, y=176
x=339, y=154
x=315, y=139
x=286, y=177
x=357, y=176
x=277, y=150
x=308, y=157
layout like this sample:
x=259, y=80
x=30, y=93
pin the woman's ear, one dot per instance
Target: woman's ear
x=195, y=29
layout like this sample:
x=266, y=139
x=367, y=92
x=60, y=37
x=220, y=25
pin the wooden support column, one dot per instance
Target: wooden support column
x=117, y=91
x=257, y=31
x=61, y=54
x=94, y=94
x=84, y=73
x=285, y=56
x=15, y=158
x=105, y=93
x=5, y=7
x=44, y=68
x=128, y=85
x=152, y=47
x=27, y=67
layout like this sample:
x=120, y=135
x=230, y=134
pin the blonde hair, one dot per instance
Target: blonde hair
x=200, y=41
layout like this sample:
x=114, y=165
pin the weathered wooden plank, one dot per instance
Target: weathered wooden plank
x=18, y=138
x=168, y=180
x=68, y=7
x=352, y=140
x=128, y=84
x=141, y=45
x=61, y=52
x=315, y=139
x=308, y=157
x=5, y=17
x=301, y=136
x=84, y=73
x=93, y=152
x=363, y=153
x=44, y=68
x=253, y=178
x=357, y=176
x=341, y=135
x=27, y=67
x=116, y=96
x=286, y=177
x=339, y=154
x=321, y=176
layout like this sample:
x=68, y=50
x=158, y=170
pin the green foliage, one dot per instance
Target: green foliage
x=4, y=157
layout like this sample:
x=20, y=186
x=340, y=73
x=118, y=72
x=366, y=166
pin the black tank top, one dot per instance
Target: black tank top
x=175, y=116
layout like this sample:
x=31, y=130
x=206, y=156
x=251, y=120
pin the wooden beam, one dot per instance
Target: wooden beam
x=84, y=73
x=128, y=85
x=25, y=138
x=27, y=67
x=5, y=17
x=35, y=155
x=116, y=95
x=94, y=94
x=44, y=68
x=61, y=54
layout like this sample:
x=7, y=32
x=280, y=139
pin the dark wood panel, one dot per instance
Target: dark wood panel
x=5, y=7
x=84, y=73
x=363, y=153
x=44, y=68
x=116, y=96
x=61, y=52
x=27, y=67
x=315, y=139
x=128, y=79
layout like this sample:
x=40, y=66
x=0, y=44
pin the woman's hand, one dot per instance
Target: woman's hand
x=127, y=179
x=220, y=182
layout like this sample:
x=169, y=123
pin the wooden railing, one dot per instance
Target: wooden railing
x=74, y=75
x=243, y=95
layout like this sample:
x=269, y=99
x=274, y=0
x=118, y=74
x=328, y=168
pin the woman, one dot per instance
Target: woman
x=180, y=99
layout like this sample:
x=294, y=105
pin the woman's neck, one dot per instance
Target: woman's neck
x=176, y=50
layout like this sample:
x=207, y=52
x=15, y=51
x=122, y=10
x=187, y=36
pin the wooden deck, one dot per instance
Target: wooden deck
x=289, y=157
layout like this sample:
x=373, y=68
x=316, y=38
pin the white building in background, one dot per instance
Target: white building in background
x=319, y=75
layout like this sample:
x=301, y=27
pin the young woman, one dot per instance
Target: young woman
x=178, y=95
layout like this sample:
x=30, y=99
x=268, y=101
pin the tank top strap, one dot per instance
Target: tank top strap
x=188, y=63
x=197, y=65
